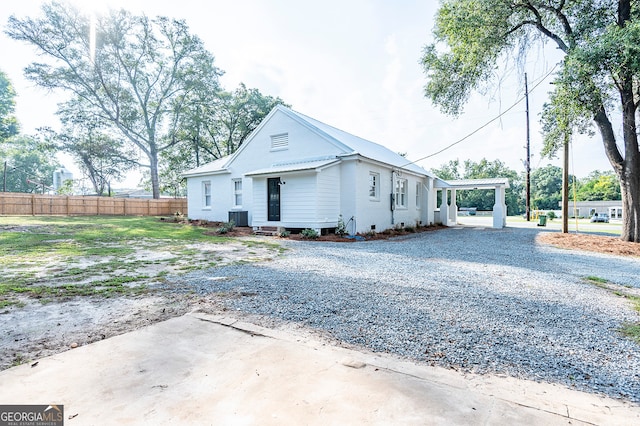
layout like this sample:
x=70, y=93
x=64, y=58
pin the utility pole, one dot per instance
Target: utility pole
x=565, y=184
x=528, y=162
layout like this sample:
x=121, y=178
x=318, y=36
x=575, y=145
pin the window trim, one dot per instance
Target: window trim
x=207, y=200
x=418, y=195
x=401, y=196
x=237, y=192
x=374, y=178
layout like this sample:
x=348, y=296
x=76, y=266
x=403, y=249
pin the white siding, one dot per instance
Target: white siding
x=219, y=210
x=348, y=192
x=259, y=192
x=374, y=212
x=298, y=198
x=328, y=196
x=377, y=212
x=307, y=200
x=409, y=215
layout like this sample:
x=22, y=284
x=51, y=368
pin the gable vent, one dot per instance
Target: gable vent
x=280, y=141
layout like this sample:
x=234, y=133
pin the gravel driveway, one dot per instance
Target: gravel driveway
x=472, y=299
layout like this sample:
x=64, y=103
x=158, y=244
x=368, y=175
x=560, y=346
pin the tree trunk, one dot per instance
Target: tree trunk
x=627, y=169
x=153, y=169
x=630, y=188
x=630, y=172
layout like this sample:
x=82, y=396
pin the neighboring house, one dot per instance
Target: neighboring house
x=295, y=172
x=60, y=176
x=589, y=208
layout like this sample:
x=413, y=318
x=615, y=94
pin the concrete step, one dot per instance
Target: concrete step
x=273, y=231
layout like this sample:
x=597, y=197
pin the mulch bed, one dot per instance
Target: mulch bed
x=384, y=235
x=589, y=242
x=242, y=231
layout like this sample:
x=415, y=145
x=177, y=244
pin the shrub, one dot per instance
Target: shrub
x=341, y=229
x=309, y=233
x=551, y=215
x=409, y=229
x=284, y=234
x=226, y=227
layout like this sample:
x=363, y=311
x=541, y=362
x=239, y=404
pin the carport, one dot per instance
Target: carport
x=448, y=214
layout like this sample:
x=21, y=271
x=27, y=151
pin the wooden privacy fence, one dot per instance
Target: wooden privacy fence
x=12, y=203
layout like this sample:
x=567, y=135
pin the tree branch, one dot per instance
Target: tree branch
x=541, y=27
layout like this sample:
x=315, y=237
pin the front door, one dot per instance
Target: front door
x=273, y=199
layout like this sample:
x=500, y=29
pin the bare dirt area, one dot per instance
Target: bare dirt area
x=589, y=242
x=38, y=324
x=35, y=330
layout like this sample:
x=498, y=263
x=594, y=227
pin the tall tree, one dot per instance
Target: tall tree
x=449, y=171
x=30, y=164
x=599, y=186
x=136, y=72
x=8, y=121
x=103, y=156
x=215, y=125
x=239, y=114
x=546, y=187
x=598, y=77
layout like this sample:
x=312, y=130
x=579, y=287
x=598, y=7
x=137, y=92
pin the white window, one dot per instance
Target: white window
x=206, y=194
x=418, y=197
x=280, y=142
x=374, y=186
x=237, y=192
x=401, y=193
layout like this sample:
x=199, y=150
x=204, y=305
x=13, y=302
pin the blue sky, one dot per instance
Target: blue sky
x=352, y=64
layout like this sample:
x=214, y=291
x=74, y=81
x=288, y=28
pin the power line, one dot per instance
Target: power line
x=486, y=124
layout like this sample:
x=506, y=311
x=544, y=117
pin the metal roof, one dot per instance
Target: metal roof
x=348, y=143
x=358, y=145
x=216, y=166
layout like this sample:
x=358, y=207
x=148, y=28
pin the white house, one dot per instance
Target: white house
x=295, y=172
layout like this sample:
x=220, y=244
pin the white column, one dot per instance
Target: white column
x=499, y=208
x=430, y=205
x=453, y=210
x=444, y=207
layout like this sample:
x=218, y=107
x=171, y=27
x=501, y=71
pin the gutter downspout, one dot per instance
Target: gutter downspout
x=392, y=201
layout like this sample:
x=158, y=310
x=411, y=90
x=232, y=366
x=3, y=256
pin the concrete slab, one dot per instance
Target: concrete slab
x=200, y=369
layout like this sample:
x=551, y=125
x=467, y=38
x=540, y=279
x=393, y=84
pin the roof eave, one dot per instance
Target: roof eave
x=358, y=156
x=206, y=173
